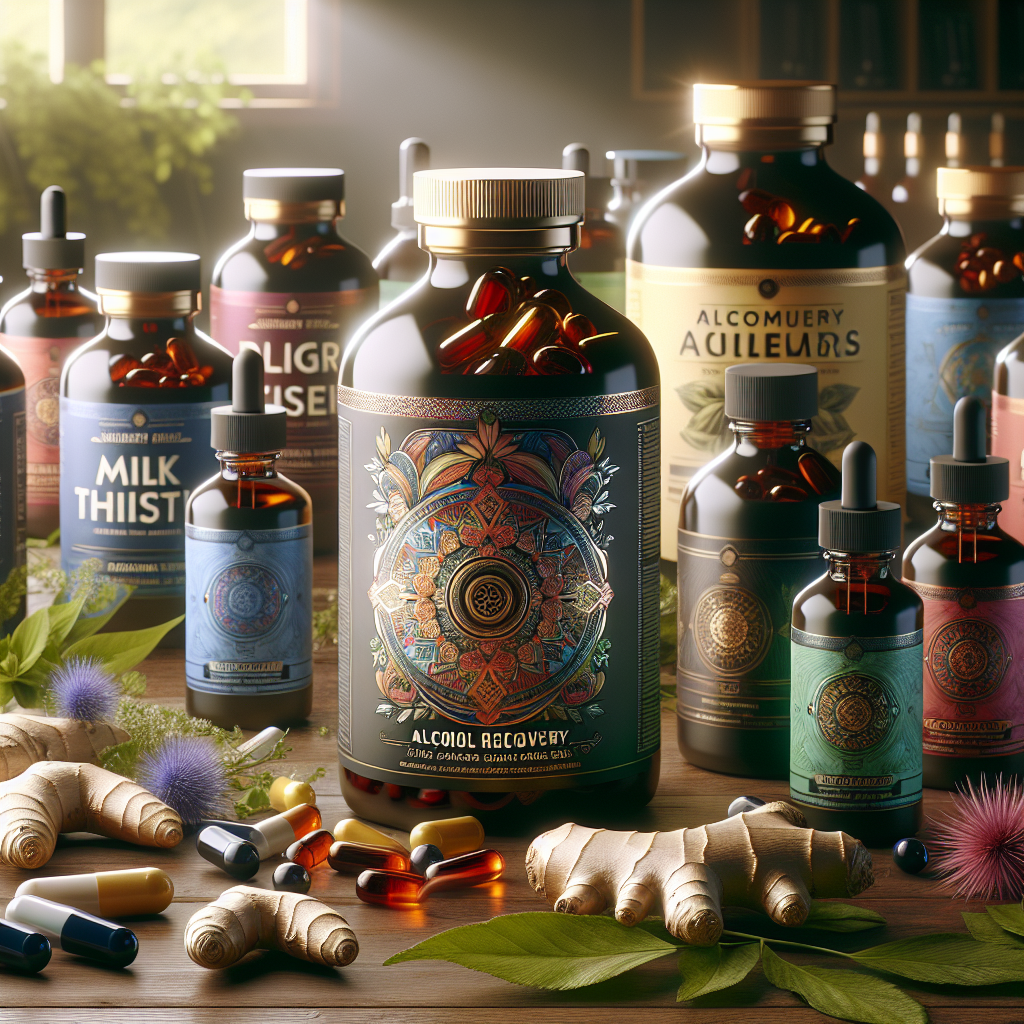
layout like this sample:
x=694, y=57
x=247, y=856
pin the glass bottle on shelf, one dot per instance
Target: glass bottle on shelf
x=498, y=631
x=970, y=575
x=954, y=142
x=40, y=327
x=997, y=141
x=874, y=149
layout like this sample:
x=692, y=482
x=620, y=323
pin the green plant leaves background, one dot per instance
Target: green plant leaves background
x=707, y=969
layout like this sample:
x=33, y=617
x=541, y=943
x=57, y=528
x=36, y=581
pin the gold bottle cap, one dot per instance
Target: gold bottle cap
x=980, y=191
x=738, y=115
x=511, y=208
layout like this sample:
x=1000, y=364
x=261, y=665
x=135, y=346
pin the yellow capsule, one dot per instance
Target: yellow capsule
x=349, y=830
x=287, y=793
x=106, y=893
x=452, y=836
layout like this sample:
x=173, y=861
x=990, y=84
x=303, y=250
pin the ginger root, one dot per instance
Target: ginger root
x=51, y=797
x=26, y=739
x=243, y=918
x=764, y=859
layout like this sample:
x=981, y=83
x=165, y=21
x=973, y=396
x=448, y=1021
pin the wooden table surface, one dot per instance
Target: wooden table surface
x=164, y=986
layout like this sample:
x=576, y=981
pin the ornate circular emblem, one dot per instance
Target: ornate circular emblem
x=245, y=599
x=732, y=629
x=853, y=711
x=489, y=598
x=42, y=405
x=968, y=658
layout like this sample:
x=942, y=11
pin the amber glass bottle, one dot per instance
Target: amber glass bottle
x=763, y=252
x=295, y=290
x=40, y=327
x=970, y=575
x=135, y=418
x=12, y=492
x=965, y=301
x=249, y=570
x=855, y=715
x=498, y=590
x=402, y=262
x=748, y=543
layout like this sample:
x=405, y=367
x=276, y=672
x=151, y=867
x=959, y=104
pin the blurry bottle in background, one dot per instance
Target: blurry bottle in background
x=997, y=141
x=874, y=149
x=913, y=198
x=955, y=152
x=629, y=189
x=402, y=262
x=599, y=264
x=908, y=188
x=40, y=327
x=12, y=491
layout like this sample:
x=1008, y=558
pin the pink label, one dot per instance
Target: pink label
x=41, y=360
x=973, y=679
x=300, y=336
x=1008, y=441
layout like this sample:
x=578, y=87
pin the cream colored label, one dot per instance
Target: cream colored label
x=847, y=323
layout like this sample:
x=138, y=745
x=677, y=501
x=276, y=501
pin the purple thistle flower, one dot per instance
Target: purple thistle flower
x=82, y=688
x=188, y=774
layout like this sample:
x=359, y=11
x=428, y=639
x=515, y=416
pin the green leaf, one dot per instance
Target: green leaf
x=699, y=393
x=846, y=994
x=91, y=624
x=6, y=693
x=707, y=969
x=27, y=696
x=841, y=917
x=946, y=958
x=29, y=639
x=837, y=397
x=120, y=652
x=1009, y=916
x=542, y=949
x=63, y=617
x=53, y=538
x=985, y=929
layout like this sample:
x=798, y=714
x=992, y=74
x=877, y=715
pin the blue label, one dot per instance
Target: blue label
x=12, y=499
x=951, y=348
x=248, y=610
x=126, y=472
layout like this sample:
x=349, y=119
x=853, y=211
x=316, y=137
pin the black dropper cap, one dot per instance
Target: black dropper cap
x=968, y=477
x=576, y=157
x=859, y=523
x=53, y=247
x=765, y=394
x=413, y=156
x=248, y=424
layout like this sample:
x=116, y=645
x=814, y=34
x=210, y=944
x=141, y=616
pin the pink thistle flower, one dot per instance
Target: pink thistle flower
x=979, y=847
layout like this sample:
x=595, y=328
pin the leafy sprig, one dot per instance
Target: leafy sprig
x=560, y=951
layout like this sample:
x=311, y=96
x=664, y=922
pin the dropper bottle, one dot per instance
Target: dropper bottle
x=970, y=575
x=248, y=570
x=855, y=714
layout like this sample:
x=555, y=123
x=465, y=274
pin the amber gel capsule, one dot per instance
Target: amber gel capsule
x=310, y=850
x=76, y=931
x=451, y=836
x=106, y=893
x=389, y=888
x=237, y=857
x=23, y=948
x=353, y=858
x=457, y=872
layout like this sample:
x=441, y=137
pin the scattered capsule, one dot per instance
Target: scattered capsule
x=256, y=747
x=910, y=855
x=310, y=850
x=281, y=830
x=423, y=856
x=23, y=948
x=291, y=877
x=241, y=829
x=349, y=830
x=287, y=793
x=475, y=868
x=744, y=803
x=389, y=888
x=106, y=893
x=238, y=857
x=451, y=836
x=75, y=931
x=353, y=858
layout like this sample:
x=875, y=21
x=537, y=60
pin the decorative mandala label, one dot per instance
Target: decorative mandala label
x=968, y=658
x=732, y=629
x=245, y=600
x=853, y=711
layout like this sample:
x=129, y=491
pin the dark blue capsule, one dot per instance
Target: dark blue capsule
x=423, y=856
x=97, y=939
x=910, y=855
x=742, y=804
x=291, y=877
x=23, y=948
x=238, y=858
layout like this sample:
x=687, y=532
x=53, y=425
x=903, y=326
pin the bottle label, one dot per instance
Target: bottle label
x=498, y=579
x=126, y=474
x=735, y=603
x=13, y=510
x=1008, y=442
x=973, y=683
x=847, y=323
x=300, y=336
x=249, y=620
x=855, y=731
x=952, y=346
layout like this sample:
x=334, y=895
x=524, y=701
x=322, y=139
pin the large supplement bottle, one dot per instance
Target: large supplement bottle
x=965, y=301
x=134, y=431
x=295, y=290
x=498, y=569
x=41, y=327
x=12, y=493
x=763, y=252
